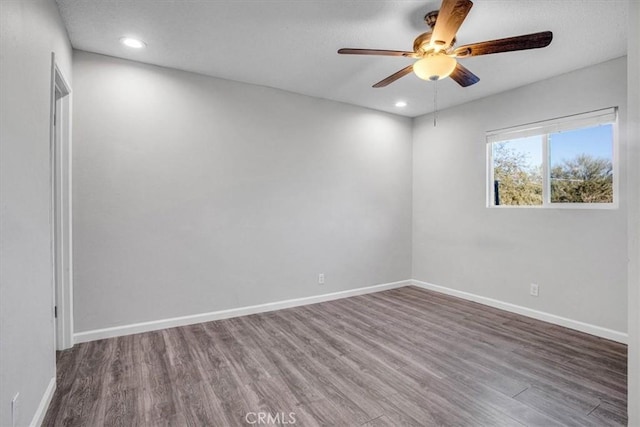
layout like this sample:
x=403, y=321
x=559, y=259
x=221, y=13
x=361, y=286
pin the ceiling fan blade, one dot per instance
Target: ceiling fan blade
x=395, y=76
x=450, y=16
x=463, y=76
x=509, y=44
x=381, y=52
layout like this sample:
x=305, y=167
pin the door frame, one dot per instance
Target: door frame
x=60, y=212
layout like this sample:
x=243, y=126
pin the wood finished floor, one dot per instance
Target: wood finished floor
x=400, y=357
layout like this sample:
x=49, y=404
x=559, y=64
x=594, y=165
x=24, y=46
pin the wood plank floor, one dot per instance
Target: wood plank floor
x=400, y=357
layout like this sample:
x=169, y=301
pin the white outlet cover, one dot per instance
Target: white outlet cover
x=534, y=289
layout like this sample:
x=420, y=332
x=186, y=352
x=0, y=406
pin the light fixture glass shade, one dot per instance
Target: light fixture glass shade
x=434, y=67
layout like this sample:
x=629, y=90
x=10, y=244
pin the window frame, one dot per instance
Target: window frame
x=544, y=128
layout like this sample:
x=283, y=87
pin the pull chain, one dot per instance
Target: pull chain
x=435, y=102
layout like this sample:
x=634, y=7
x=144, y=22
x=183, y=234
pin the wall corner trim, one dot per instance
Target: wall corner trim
x=136, y=328
x=38, y=417
x=598, y=331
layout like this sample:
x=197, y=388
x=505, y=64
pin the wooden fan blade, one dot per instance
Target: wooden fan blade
x=395, y=76
x=381, y=52
x=463, y=76
x=509, y=44
x=451, y=15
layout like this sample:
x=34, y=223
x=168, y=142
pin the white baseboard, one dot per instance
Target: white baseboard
x=38, y=417
x=598, y=331
x=155, y=325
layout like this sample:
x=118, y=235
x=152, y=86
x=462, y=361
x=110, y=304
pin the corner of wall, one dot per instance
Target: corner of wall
x=30, y=32
x=633, y=138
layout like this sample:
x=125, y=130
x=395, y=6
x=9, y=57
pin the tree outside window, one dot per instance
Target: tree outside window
x=567, y=166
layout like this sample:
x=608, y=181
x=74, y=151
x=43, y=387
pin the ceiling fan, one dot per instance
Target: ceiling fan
x=435, y=51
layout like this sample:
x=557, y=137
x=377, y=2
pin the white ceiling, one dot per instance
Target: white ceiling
x=292, y=44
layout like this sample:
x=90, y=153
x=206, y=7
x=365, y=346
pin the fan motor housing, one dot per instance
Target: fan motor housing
x=430, y=19
x=421, y=43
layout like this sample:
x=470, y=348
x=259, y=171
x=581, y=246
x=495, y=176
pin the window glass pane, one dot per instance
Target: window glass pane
x=581, y=165
x=517, y=171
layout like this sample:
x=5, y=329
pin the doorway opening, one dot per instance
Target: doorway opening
x=60, y=213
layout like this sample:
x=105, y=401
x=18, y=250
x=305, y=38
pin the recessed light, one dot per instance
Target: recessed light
x=131, y=42
x=401, y=104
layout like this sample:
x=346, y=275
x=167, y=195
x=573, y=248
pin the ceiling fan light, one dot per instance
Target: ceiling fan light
x=434, y=67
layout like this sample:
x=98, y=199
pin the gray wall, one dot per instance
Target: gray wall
x=578, y=257
x=633, y=93
x=29, y=32
x=194, y=194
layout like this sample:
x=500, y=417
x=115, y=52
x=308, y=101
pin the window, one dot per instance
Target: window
x=566, y=162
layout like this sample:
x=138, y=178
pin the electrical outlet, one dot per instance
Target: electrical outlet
x=321, y=279
x=14, y=410
x=534, y=289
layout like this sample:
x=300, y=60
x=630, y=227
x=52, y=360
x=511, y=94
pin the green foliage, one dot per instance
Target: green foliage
x=519, y=184
x=583, y=179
